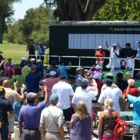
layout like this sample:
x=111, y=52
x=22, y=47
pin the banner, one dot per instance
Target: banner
x=129, y=63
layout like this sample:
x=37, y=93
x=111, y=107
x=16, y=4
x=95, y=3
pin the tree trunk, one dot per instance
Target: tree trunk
x=81, y=10
x=1, y=33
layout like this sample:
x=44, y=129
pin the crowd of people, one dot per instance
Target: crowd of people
x=21, y=89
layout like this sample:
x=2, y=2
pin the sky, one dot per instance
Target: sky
x=21, y=8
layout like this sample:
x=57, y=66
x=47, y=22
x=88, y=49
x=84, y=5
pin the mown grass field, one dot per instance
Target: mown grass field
x=15, y=51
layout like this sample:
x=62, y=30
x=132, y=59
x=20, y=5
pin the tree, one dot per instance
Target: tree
x=6, y=10
x=76, y=9
x=119, y=10
x=32, y=26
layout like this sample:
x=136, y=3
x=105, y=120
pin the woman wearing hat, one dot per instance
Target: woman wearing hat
x=100, y=54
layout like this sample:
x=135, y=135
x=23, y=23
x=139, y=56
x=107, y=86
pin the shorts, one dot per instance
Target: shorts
x=52, y=136
x=11, y=124
x=136, y=132
x=67, y=114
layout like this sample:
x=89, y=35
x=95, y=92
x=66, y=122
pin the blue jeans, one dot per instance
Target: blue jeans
x=4, y=132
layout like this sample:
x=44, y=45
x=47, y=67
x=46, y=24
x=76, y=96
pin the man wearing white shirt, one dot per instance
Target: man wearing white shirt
x=114, y=51
x=65, y=93
x=85, y=94
x=110, y=92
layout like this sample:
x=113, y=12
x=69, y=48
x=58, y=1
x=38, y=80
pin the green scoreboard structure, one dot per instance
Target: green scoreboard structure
x=77, y=38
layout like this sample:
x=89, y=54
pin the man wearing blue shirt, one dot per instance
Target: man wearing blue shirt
x=63, y=69
x=138, y=55
x=40, y=67
x=41, y=51
x=32, y=80
x=136, y=118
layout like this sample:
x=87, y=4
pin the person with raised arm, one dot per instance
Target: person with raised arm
x=114, y=51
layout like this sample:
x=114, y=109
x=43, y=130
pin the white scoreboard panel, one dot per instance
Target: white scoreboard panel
x=92, y=41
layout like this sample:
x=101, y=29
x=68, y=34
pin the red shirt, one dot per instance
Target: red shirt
x=99, y=55
x=133, y=91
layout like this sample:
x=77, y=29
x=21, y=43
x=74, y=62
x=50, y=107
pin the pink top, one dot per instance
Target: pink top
x=49, y=82
x=95, y=72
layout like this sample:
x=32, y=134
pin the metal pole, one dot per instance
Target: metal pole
x=79, y=61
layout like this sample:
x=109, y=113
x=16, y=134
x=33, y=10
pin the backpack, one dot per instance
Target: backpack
x=120, y=127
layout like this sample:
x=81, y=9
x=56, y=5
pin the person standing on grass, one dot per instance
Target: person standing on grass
x=41, y=51
x=31, y=48
x=51, y=122
x=29, y=117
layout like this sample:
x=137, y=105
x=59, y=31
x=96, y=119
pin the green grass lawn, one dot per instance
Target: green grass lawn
x=15, y=51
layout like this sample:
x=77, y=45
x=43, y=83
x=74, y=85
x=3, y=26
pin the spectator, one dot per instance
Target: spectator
x=50, y=82
x=32, y=62
x=114, y=51
x=108, y=73
x=126, y=74
x=63, y=69
x=2, y=62
x=81, y=123
x=5, y=108
x=112, y=92
x=40, y=67
x=53, y=67
x=138, y=54
x=29, y=117
x=96, y=71
x=79, y=76
x=9, y=95
x=32, y=80
x=85, y=94
x=41, y=51
x=22, y=63
x=107, y=121
x=51, y=122
x=26, y=69
x=132, y=91
x=136, y=117
x=12, y=70
x=31, y=48
x=99, y=84
x=100, y=54
x=129, y=52
x=7, y=65
x=137, y=83
x=120, y=82
x=65, y=94
x=19, y=78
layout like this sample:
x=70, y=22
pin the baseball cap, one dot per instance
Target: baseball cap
x=84, y=83
x=131, y=80
x=97, y=67
x=109, y=81
x=1, y=51
x=40, y=43
x=80, y=68
x=39, y=60
x=23, y=58
x=108, y=66
x=96, y=76
x=31, y=96
x=100, y=47
x=62, y=77
x=114, y=44
x=13, y=64
x=54, y=97
x=52, y=73
x=32, y=59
